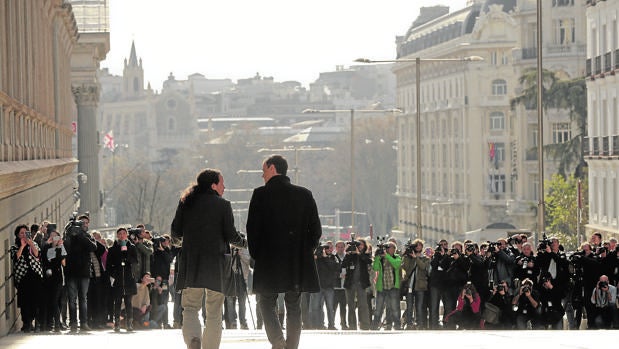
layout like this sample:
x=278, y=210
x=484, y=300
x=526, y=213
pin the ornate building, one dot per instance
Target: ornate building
x=602, y=147
x=47, y=92
x=477, y=174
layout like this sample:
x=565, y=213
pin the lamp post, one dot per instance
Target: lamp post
x=540, y=123
x=418, y=61
x=352, y=147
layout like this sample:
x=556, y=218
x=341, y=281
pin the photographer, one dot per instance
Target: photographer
x=120, y=259
x=328, y=268
x=505, y=262
x=438, y=264
x=416, y=267
x=54, y=255
x=457, y=275
x=551, y=260
x=526, y=305
x=477, y=270
x=503, y=300
x=387, y=263
x=162, y=258
x=590, y=277
x=526, y=264
x=141, y=239
x=356, y=266
x=551, y=308
x=467, y=314
x=603, y=298
x=79, y=244
x=140, y=302
x=340, y=291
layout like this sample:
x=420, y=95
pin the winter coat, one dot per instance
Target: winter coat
x=79, y=244
x=363, y=262
x=421, y=266
x=206, y=226
x=283, y=230
x=119, y=266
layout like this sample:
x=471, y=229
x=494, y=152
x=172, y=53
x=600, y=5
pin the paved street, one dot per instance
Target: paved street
x=239, y=339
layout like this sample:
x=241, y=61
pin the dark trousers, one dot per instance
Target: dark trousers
x=78, y=287
x=340, y=302
x=97, y=307
x=268, y=308
x=128, y=309
x=53, y=293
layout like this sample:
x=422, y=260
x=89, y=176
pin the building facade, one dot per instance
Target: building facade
x=477, y=173
x=40, y=105
x=602, y=145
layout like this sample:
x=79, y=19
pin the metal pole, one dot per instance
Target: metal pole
x=540, y=122
x=352, y=170
x=296, y=165
x=418, y=131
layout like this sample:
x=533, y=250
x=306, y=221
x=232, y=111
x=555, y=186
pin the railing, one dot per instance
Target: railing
x=608, y=63
x=605, y=146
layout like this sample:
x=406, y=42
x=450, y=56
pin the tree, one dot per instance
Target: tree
x=562, y=209
x=561, y=94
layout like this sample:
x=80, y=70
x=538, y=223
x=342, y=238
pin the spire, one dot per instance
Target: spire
x=133, y=58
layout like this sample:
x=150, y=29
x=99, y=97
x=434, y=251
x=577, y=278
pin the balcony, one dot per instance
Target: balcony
x=614, y=147
x=605, y=146
x=588, y=67
x=598, y=65
x=608, y=63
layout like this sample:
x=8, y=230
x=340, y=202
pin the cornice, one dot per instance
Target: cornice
x=19, y=176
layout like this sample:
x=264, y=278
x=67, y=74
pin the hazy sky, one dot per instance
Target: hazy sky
x=285, y=39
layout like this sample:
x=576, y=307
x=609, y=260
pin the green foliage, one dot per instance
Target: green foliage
x=561, y=218
x=569, y=95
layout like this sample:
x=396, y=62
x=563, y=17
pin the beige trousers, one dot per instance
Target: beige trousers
x=192, y=303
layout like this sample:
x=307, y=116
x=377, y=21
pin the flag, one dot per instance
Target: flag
x=492, y=151
x=108, y=141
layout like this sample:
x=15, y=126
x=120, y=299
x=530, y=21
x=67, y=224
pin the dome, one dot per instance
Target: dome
x=508, y=5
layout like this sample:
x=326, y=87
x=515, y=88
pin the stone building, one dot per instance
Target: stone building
x=48, y=92
x=476, y=168
x=602, y=146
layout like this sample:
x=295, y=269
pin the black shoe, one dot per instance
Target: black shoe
x=167, y=327
x=116, y=326
x=244, y=327
x=331, y=328
x=344, y=328
x=129, y=326
x=85, y=327
x=56, y=329
x=73, y=328
x=63, y=327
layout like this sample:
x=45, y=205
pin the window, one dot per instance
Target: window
x=565, y=31
x=499, y=151
x=499, y=87
x=561, y=132
x=557, y=3
x=497, y=183
x=497, y=121
x=493, y=57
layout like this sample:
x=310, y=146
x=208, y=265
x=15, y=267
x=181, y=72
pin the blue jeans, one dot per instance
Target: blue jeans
x=326, y=295
x=77, y=286
x=391, y=299
x=436, y=295
x=231, y=304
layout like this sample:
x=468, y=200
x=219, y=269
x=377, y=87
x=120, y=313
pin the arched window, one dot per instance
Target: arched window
x=499, y=87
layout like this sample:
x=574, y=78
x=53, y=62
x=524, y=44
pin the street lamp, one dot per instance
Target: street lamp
x=352, y=147
x=418, y=62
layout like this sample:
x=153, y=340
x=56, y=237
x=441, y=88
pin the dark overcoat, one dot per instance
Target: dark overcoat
x=283, y=230
x=206, y=226
x=119, y=265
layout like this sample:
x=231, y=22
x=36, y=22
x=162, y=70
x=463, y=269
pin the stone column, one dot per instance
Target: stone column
x=87, y=98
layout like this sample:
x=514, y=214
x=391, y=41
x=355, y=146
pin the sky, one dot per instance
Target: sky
x=235, y=39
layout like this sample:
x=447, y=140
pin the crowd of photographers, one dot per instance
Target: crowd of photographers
x=511, y=283
x=72, y=279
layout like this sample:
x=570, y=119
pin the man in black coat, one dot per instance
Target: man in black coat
x=283, y=230
x=205, y=222
x=79, y=244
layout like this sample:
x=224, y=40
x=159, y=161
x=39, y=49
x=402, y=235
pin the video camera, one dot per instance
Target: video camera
x=74, y=226
x=352, y=244
x=157, y=241
x=544, y=242
x=493, y=247
x=134, y=233
x=381, y=245
x=320, y=249
x=409, y=247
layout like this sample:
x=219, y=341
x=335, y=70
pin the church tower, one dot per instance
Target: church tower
x=133, y=76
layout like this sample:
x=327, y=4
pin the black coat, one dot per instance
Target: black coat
x=119, y=266
x=283, y=230
x=79, y=244
x=207, y=229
